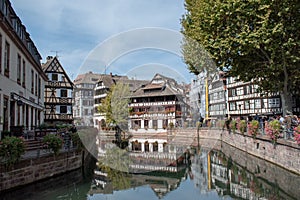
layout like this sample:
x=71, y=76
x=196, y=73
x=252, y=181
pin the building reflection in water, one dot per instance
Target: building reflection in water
x=163, y=166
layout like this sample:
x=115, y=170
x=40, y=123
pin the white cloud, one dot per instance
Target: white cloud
x=76, y=27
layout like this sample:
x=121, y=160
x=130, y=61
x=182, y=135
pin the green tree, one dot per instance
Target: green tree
x=254, y=40
x=115, y=105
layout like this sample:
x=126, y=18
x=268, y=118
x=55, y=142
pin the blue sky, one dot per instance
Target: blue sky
x=137, y=38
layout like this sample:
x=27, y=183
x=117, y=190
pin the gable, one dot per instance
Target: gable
x=53, y=66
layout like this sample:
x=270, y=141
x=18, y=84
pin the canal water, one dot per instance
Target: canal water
x=199, y=173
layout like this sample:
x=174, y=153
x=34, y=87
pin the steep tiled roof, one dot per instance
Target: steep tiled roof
x=87, y=78
x=158, y=86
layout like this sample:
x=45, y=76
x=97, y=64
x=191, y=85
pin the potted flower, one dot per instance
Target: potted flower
x=233, y=125
x=242, y=126
x=297, y=134
x=253, y=127
x=273, y=130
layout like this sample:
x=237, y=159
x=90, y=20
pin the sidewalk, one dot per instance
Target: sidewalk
x=40, y=152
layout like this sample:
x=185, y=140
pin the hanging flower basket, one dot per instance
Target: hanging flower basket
x=233, y=125
x=253, y=128
x=297, y=134
x=273, y=130
x=242, y=126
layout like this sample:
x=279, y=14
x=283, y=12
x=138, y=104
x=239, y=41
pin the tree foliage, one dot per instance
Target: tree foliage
x=115, y=105
x=254, y=40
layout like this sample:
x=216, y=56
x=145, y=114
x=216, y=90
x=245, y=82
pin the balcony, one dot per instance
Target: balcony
x=159, y=103
x=155, y=114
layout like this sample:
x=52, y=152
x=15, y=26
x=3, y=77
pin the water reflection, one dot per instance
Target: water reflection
x=224, y=171
x=175, y=172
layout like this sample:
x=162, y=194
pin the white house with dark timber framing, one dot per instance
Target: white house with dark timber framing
x=154, y=106
x=58, y=93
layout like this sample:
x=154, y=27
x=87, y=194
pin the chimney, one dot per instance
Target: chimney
x=49, y=57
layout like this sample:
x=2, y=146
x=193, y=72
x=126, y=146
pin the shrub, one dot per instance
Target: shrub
x=53, y=143
x=11, y=149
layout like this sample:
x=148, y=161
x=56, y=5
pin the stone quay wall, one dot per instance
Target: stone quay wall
x=285, y=154
x=265, y=171
x=35, y=169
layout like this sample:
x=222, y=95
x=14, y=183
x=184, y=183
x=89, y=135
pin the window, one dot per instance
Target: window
x=63, y=93
x=63, y=109
x=232, y=106
x=154, y=124
x=40, y=88
x=54, y=77
x=86, y=111
x=232, y=92
x=24, y=74
x=19, y=69
x=274, y=103
x=146, y=123
x=32, y=81
x=6, y=59
x=0, y=53
x=247, y=105
x=36, y=85
x=257, y=103
x=240, y=91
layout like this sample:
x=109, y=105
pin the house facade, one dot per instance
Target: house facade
x=155, y=105
x=21, y=76
x=236, y=98
x=58, y=93
x=197, y=97
x=83, y=108
x=217, y=95
x=244, y=100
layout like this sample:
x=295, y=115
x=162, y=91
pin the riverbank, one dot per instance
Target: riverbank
x=284, y=153
x=32, y=169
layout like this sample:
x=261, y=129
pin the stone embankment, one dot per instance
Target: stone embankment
x=285, y=153
x=34, y=169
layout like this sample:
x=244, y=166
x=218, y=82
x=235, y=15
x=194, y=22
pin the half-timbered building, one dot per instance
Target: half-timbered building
x=58, y=93
x=155, y=105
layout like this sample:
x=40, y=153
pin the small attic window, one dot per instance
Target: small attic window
x=54, y=77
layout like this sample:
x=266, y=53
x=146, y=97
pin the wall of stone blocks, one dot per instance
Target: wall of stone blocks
x=29, y=171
